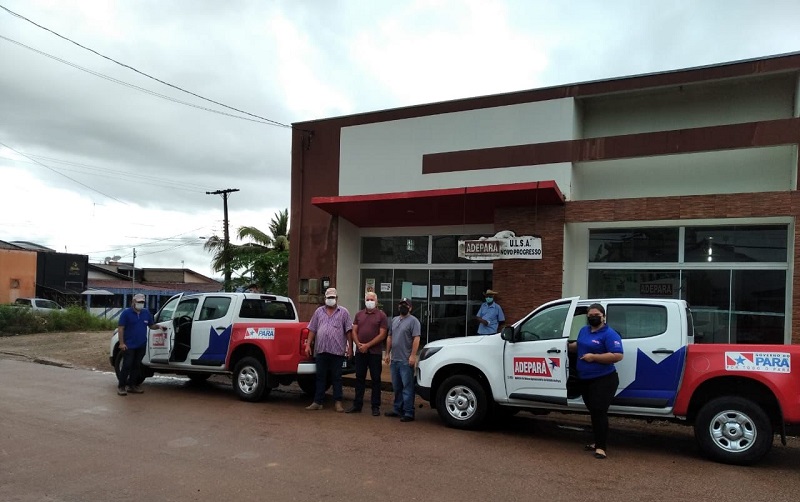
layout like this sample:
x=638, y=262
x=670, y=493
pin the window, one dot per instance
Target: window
x=634, y=245
x=266, y=309
x=187, y=307
x=214, y=307
x=168, y=310
x=734, y=277
x=761, y=243
x=412, y=249
x=637, y=321
x=546, y=324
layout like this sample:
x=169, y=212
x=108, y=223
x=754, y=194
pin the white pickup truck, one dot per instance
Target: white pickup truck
x=256, y=338
x=736, y=396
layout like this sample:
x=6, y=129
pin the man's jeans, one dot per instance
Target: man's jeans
x=374, y=363
x=130, y=373
x=328, y=364
x=403, y=385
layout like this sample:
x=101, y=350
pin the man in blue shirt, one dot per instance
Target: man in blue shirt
x=134, y=325
x=490, y=316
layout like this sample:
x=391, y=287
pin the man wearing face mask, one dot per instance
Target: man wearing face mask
x=369, y=332
x=330, y=341
x=402, y=345
x=490, y=316
x=598, y=347
x=134, y=324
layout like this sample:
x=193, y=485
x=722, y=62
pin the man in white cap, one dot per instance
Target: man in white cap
x=134, y=325
x=490, y=315
x=330, y=340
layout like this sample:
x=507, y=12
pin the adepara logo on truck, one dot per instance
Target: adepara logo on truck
x=767, y=362
x=260, y=333
x=535, y=368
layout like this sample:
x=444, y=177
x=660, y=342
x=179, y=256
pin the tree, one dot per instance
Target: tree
x=262, y=260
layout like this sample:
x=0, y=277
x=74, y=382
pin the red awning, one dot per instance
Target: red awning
x=447, y=206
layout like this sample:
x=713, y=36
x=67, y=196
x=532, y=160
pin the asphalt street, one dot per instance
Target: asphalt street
x=66, y=436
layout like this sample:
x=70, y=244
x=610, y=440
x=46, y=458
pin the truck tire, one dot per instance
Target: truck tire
x=250, y=380
x=308, y=384
x=461, y=402
x=118, y=368
x=733, y=430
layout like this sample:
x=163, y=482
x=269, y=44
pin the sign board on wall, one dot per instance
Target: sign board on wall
x=504, y=245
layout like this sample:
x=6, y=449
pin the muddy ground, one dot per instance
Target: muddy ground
x=82, y=349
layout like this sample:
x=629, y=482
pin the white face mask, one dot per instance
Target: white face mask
x=330, y=302
x=138, y=305
x=370, y=304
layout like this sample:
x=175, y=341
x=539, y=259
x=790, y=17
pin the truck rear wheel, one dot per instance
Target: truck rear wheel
x=143, y=373
x=733, y=430
x=461, y=402
x=250, y=380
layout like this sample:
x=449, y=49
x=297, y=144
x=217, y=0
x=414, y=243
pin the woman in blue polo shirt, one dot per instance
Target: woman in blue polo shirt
x=598, y=347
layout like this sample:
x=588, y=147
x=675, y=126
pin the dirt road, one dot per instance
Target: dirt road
x=82, y=349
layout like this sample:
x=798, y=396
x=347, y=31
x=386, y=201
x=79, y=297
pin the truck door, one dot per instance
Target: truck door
x=655, y=352
x=211, y=332
x=159, y=343
x=535, y=362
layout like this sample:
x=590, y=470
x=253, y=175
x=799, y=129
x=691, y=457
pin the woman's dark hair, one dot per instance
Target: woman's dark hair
x=597, y=306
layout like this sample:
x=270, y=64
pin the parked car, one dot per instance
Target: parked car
x=38, y=304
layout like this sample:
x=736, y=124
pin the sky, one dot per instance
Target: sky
x=98, y=159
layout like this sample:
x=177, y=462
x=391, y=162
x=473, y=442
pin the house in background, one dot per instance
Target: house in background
x=112, y=284
x=17, y=272
x=60, y=277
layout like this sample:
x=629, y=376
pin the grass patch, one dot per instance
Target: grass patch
x=23, y=321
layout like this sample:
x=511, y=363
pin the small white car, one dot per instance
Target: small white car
x=38, y=304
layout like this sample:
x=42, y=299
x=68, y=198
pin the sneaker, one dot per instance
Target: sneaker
x=338, y=407
x=353, y=409
x=135, y=390
x=314, y=406
x=406, y=418
x=376, y=412
x=392, y=414
x=121, y=391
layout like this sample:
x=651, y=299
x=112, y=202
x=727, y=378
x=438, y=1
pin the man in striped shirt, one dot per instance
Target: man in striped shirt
x=330, y=340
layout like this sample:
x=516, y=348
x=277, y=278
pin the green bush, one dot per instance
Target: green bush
x=21, y=320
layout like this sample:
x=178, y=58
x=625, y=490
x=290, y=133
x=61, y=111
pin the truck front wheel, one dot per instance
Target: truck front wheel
x=250, y=380
x=461, y=402
x=733, y=430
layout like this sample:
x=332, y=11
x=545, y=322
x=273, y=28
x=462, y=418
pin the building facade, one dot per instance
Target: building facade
x=680, y=184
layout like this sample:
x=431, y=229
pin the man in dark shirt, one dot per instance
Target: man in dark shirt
x=369, y=332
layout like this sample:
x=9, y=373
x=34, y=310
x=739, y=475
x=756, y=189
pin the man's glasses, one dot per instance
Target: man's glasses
x=330, y=297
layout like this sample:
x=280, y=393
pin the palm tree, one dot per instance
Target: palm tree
x=263, y=259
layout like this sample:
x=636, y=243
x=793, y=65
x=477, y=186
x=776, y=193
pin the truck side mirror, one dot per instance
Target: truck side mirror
x=507, y=334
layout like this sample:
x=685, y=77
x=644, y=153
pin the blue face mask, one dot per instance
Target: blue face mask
x=489, y=299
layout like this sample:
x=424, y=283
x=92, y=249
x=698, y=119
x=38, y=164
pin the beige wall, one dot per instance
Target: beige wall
x=17, y=275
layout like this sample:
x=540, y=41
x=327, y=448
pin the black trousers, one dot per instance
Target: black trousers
x=374, y=363
x=597, y=395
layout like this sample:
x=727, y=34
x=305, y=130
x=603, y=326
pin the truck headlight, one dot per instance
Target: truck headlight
x=428, y=352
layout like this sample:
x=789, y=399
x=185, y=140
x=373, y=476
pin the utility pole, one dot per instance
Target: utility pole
x=225, y=255
x=133, y=272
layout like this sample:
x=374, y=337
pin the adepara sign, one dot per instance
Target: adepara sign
x=504, y=245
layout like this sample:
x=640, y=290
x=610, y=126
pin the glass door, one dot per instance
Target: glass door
x=447, y=307
x=413, y=284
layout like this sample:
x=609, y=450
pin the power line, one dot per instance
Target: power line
x=62, y=174
x=146, y=243
x=132, y=86
x=112, y=173
x=273, y=122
